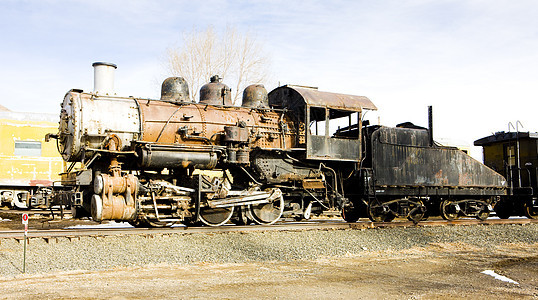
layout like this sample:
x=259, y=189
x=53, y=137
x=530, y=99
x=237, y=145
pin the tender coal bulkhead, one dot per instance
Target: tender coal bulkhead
x=404, y=174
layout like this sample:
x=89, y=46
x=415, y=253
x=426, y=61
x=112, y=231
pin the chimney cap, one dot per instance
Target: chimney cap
x=99, y=63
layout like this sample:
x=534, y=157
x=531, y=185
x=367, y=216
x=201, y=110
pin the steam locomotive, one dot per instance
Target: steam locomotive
x=293, y=152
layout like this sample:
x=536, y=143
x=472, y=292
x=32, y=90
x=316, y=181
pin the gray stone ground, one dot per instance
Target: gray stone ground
x=128, y=251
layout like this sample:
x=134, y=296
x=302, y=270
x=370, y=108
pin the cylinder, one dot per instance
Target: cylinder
x=159, y=159
x=235, y=134
x=103, y=78
x=232, y=155
x=243, y=156
x=106, y=184
x=112, y=208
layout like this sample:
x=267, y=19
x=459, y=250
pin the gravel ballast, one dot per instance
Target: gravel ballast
x=90, y=253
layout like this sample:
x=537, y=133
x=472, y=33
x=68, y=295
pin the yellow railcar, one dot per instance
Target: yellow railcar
x=27, y=164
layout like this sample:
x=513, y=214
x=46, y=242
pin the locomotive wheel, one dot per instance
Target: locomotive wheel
x=241, y=216
x=145, y=223
x=418, y=210
x=377, y=214
x=215, y=216
x=268, y=213
x=530, y=211
x=447, y=210
x=79, y=212
x=350, y=214
x=138, y=223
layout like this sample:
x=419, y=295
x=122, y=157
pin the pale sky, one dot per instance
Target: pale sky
x=475, y=61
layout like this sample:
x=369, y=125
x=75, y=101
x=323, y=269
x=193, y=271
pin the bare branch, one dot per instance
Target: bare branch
x=236, y=57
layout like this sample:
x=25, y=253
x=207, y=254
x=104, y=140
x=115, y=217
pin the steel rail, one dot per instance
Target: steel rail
x=50, y=234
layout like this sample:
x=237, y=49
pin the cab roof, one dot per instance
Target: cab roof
x=290, y=96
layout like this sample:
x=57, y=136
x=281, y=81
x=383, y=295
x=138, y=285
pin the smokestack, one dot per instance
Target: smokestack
x=430, y=124
x=103, y=78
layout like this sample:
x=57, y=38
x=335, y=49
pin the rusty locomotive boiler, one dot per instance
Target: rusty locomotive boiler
x=293, y=152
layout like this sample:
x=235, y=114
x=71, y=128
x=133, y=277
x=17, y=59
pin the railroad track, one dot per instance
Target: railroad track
x=51, y=235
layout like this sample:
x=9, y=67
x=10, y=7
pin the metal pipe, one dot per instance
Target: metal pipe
x=155, y=206
x=103, y=78
x=430, y=124
x=518, y=158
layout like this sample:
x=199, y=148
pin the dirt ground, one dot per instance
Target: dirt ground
x=439, y=271
x=12, y=221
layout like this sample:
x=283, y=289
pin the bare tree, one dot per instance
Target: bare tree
x=236, y=57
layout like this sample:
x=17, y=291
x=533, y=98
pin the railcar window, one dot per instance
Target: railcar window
x=28, y=148
x=317, y=121
x=342, y=122
x=337, y=123
x=510, y=154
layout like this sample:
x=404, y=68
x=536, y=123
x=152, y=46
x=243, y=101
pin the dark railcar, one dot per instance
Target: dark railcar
x=515, y=156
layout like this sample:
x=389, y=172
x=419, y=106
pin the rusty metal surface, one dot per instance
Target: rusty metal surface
x=310, y=106
x=288, y=96
x=311, y=184
x=402, y=157
x=86, y=120
x=330, y=148
x=84, y=124
x=175, y=89
x=215, y=92
x=199, y=124
x=255, y=96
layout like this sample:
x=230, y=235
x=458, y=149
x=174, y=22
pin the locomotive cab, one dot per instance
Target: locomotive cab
x=329, y=123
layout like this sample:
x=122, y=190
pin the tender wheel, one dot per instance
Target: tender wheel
x=350, y=214
x=483, y=214
x=530, y=210
x=389, y=217
x=417, y=212
x=503, y=209
x=268, y=213
x=376, y=213
x=215, y=216
x=448, y=210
